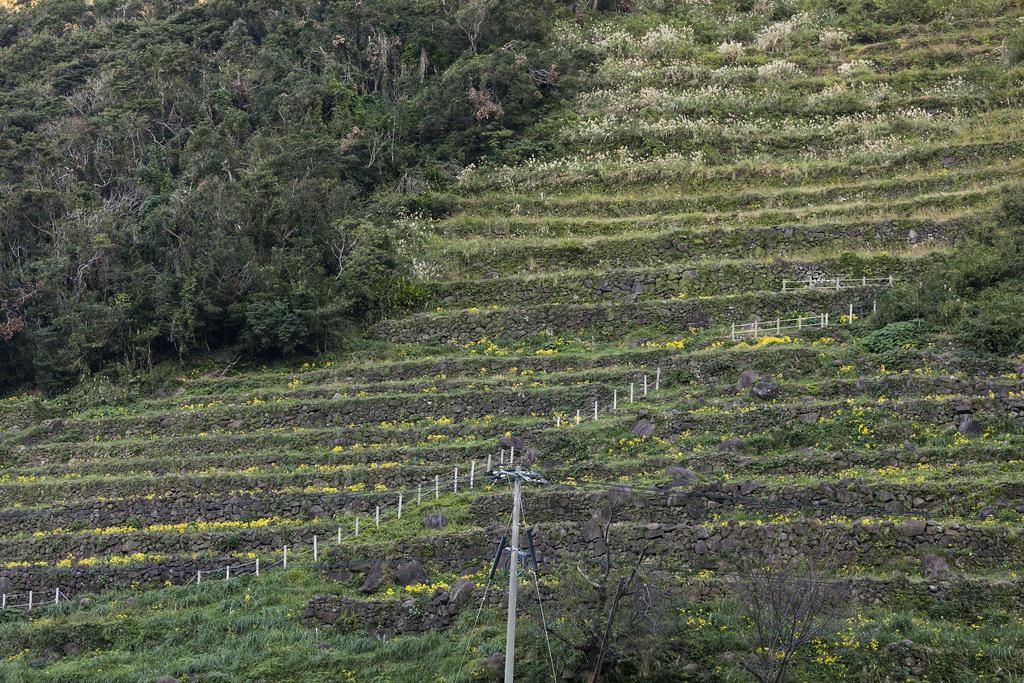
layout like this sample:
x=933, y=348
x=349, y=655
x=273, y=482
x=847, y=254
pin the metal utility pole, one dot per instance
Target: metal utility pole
x=513, y=575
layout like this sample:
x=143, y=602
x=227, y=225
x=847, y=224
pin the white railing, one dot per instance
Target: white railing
x=760, y=328
x=31, y=599
x=836, y=283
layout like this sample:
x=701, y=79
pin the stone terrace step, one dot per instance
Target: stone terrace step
x=695, y=278
x=607, y=321
x=670, y=200
x=645, y=248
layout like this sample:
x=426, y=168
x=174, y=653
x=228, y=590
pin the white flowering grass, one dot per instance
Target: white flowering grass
x=833, y=39
x=777, y=70
x=778, y=36
x=730, y=51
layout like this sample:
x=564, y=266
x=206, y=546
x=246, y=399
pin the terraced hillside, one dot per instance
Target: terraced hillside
x=583, y=314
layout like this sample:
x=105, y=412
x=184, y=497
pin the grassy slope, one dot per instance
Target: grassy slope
x=238, y=434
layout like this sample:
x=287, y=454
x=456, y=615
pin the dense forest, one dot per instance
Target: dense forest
x=180, y=177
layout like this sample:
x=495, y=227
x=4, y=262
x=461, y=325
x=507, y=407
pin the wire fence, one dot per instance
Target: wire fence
x=759, y=328
x=836, y=283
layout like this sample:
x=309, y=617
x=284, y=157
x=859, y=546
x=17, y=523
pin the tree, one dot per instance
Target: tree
x=611, y=607
x=789, y=601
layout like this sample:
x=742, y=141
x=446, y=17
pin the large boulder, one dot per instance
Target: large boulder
x=410, y=573
x=731, y=446
x=766, y=390
x=374, y=578
x=967, y=425
x=934, y=567
x=914, y=527
x=515, y=442
x=436, y=521
x=461, y=591
x=681, y=476
x=5, y=585
x=748, y=378
x=644, y=429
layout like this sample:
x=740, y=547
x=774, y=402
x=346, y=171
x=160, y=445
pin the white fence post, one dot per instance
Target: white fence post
x=558, y=423
x=285, y=561
x=455, y=481
x=755, y=330
x=511, y=456
x=437, y=486
x=339, y=535
x=56, y=596
x=595, y=411
x=615, y=399
x=419, y=489
x=657, y=378
x=472, y=473
x=577, y=416
x=734, y=332
x=376, y=517
x=227, y=573
x=778, y=326
x=630, y=392
x=399, y=505
x=488, y=462
x=874, y=307
x=257, y=566
x=357, y=525
x=849, y=320
x=645, y=384
x=316, y=549
x=199, y=576
x=3, y=601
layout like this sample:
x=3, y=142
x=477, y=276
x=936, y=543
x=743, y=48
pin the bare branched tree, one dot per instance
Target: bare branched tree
x=790, y=601
x=611, y=604
x=471, y=16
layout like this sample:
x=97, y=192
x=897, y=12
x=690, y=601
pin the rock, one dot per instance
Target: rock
x=495, y=662
x=966, y=424
x=731, y=446
x=644, y=429
x=436, y=521
x=515, y=442
x=5, y=585
x=808, y=418
x=934, y=567
x=748, y=378
x=681, y=476
x=70, y=649
x=592, y=530
x=653, y=530
x=766, y=391
x=373, y=578
x=461, y=592
x=85, y=603
x=410, y=573
x=530, y=458
x=987, y=512
x=914, y=527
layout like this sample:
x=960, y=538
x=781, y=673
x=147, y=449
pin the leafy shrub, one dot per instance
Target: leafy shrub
x=272, y=326
x=894, y=336
x=975, y=296
x=1015, y=46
